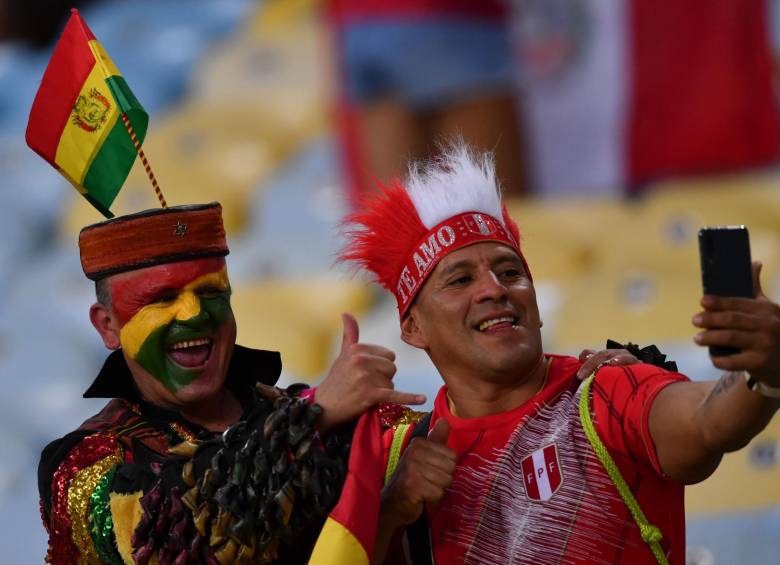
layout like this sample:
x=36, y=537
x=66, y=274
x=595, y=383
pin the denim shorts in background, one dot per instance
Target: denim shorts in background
x=426, y=62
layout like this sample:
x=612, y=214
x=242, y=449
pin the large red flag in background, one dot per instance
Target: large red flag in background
x=618, y=94
x=701, y=96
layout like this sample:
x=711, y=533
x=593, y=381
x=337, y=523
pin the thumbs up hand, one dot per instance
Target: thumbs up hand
x=361, y=377
x=440, y=432
x=422, y=477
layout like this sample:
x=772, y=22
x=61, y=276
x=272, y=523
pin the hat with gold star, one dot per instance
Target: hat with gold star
x=152, y=237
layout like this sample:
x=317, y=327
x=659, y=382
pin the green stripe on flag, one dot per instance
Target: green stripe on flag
x=116, y=156
x=124, y=97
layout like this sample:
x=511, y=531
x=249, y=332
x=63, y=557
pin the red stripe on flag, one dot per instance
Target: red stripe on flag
x=358, y=507
x=702, y=97
x=84, y=27
x=68, y=68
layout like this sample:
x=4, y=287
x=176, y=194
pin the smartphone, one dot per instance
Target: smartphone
x=725, y=267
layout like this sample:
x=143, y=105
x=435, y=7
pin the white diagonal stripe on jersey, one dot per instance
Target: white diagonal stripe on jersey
x=542, y=480
x=494, y=499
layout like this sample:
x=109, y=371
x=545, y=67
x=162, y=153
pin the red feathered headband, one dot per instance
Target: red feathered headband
x=388, y=238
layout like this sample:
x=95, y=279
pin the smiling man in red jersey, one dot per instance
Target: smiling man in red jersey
x=520, y=461
x=197, y=458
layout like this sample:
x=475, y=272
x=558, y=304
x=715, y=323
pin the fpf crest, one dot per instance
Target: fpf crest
x=542, y=473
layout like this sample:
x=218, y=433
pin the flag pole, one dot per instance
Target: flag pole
x=141, y=154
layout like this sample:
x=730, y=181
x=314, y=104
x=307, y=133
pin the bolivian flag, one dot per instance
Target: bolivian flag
x=349, y=533
x=75, y=121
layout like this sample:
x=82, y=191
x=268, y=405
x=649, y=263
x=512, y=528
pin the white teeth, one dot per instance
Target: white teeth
x=191, y=343
x=488, y=323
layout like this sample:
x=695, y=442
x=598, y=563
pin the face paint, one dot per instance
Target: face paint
x=172, y=338
x=133, y=290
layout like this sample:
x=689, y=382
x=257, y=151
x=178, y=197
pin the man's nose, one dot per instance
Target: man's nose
x=188, y=306
x=489, y=287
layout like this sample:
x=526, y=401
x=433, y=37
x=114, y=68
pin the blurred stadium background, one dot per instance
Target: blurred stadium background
x=244, y=109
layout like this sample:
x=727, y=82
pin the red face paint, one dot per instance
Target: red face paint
x=133, y=290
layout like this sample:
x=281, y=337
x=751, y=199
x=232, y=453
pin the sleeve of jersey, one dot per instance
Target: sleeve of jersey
x=80, y=524
x=622, y=398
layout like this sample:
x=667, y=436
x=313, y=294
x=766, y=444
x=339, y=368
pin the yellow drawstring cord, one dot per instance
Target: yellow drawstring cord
x=651, y=535
x=399, y=434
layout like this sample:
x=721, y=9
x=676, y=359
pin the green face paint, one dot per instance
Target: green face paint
x=190, y=321
x=153, y=355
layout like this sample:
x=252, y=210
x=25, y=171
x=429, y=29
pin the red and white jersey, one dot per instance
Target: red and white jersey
x=529, y=489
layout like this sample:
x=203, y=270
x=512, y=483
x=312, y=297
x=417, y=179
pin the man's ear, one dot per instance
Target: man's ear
x=106, y=325
x=411, y=332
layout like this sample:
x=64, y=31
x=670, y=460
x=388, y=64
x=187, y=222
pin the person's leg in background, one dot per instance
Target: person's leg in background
x=490, y=123
x=410, y=85
x=390, y=137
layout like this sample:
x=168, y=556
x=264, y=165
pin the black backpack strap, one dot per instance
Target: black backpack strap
x=418, y=534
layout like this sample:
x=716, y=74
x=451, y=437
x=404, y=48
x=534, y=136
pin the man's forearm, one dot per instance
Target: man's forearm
x=694, y=423
x=731, y=414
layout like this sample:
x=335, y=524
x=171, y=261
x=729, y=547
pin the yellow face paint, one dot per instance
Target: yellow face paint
x=154, y=316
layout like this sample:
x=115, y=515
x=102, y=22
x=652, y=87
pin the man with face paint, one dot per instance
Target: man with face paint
x=176, y=330
x=197, y=458
x=519, y=461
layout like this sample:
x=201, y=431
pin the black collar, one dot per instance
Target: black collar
x=247, y=367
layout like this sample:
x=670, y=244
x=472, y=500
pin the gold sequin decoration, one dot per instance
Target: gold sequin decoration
x=183, y=433
x=176, y=427
x=79, y=493
x=409, y=417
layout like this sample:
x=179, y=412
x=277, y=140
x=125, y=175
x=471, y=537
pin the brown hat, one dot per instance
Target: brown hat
x=152, y=237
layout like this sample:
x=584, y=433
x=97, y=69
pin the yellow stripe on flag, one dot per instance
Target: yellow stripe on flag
x=349, y=534
x=94, y=115
x=337, y=546
x=103, y=59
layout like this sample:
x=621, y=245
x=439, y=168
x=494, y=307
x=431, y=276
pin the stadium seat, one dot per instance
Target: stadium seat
x=751, y=199
x=747, y=480
x=560, y=239
x=300, y=318
x=278, y=64
x=645, y=284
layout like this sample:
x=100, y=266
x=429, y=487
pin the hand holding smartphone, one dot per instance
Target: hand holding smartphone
x=726, y=267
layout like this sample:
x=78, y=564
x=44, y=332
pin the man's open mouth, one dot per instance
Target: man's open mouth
x=497, y=323
x=191, y=353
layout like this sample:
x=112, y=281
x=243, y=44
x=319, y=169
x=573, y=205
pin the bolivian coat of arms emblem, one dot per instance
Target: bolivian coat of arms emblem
x=90, y=112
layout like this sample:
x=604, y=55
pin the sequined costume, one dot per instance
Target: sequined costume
x=136, y=483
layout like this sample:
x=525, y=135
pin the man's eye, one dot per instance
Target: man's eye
x=210, y=291
x=511, y=273
x=459, y=281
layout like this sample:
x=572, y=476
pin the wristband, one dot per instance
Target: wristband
x=308, y=394
x=761, y=388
